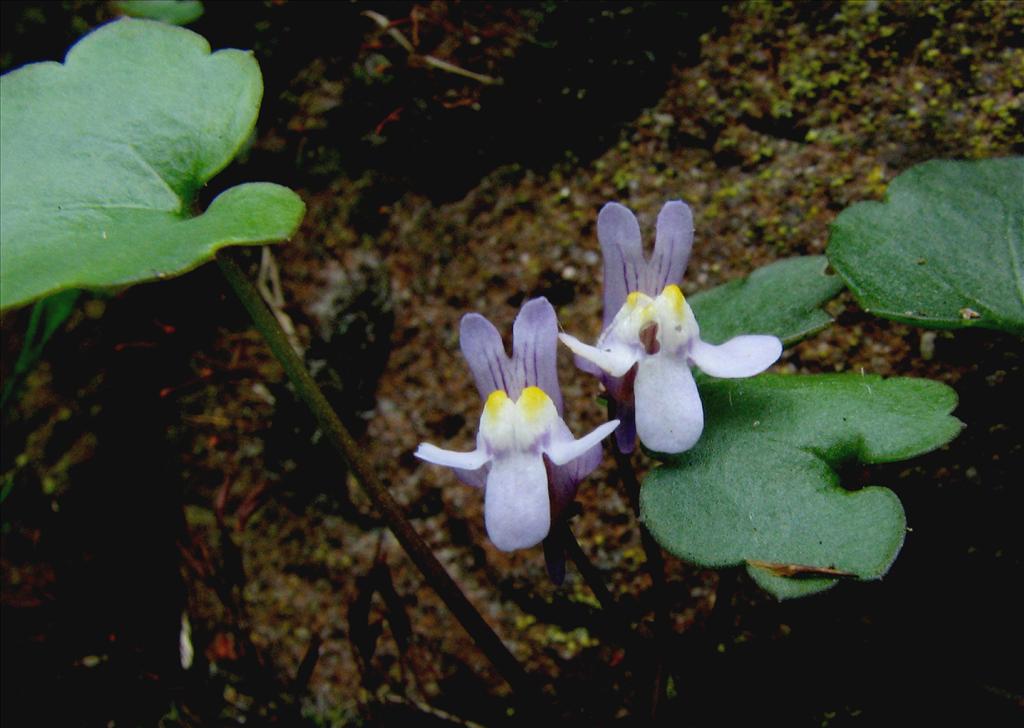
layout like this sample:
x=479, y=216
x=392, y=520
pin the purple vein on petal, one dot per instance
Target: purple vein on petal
x=484, y=352
x=673, y=242
x=535, y=348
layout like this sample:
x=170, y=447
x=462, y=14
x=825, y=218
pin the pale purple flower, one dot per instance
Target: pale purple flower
x=526, y=459
x=651, y=338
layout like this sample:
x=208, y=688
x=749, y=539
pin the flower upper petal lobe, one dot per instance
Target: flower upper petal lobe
x=622, y=249
x=485, y=354
x=535, y=349
x=672, y=243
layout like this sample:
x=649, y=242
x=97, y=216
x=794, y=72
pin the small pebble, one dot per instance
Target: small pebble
x=928, y=345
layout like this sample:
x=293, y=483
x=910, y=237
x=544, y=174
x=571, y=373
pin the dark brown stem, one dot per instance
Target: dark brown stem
x=591, y=574
x=306, y=667
x=656, y=567
x=526, y=687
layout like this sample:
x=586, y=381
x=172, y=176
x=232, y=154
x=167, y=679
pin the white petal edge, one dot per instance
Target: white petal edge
x=450, y=458
x=568, y=450
x=614, y=361
x=742, y=356
x=669, y=414
x=517, y=510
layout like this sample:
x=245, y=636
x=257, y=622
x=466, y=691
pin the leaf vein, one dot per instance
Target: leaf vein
x=1015, y=256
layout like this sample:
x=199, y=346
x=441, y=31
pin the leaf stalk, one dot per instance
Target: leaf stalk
x=527, y=687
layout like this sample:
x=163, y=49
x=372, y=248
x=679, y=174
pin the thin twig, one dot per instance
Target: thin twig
x=385, y=24
x=526, y=686
x=268, y=283
x=443, y=65
x=429, y=710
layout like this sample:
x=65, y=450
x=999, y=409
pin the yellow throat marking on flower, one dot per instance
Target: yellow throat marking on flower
x=676, y=298
x=496, y=402
x=517, y=424
x=654, y=323
x=639, y=307
x=533, y=403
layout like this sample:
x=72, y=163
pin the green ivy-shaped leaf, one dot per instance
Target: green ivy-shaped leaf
x=175, y=12
x=945, y=250
x=782, y=299
x=103, y=157
x=761, y=489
